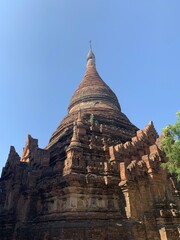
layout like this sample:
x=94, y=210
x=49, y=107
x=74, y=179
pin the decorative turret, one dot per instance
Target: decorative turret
x=75, y=138
x=34, y=155
x=12, y=161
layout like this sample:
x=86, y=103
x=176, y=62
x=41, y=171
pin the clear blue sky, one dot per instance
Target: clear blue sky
x=43, y=48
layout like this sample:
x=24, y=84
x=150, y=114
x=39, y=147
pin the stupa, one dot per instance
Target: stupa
x=99, y=177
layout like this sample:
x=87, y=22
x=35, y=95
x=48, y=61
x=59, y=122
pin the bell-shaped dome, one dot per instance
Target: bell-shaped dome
x=93, y=97
x=93, y=92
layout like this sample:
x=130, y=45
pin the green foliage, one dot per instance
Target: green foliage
x=91, y=118
x=171, y=147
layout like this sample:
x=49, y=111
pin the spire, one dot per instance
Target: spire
x=91, y=55
x=92, y=91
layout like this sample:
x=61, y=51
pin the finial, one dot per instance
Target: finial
x=90, y=53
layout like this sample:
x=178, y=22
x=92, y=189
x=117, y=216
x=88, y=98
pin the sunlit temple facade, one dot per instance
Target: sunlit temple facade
x=99, y=177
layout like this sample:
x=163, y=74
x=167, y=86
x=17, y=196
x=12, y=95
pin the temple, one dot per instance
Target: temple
x=99, y=177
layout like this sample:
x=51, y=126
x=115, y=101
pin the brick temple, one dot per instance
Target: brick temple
x=99, y=177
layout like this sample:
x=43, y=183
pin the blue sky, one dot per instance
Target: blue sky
x=43, y=48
